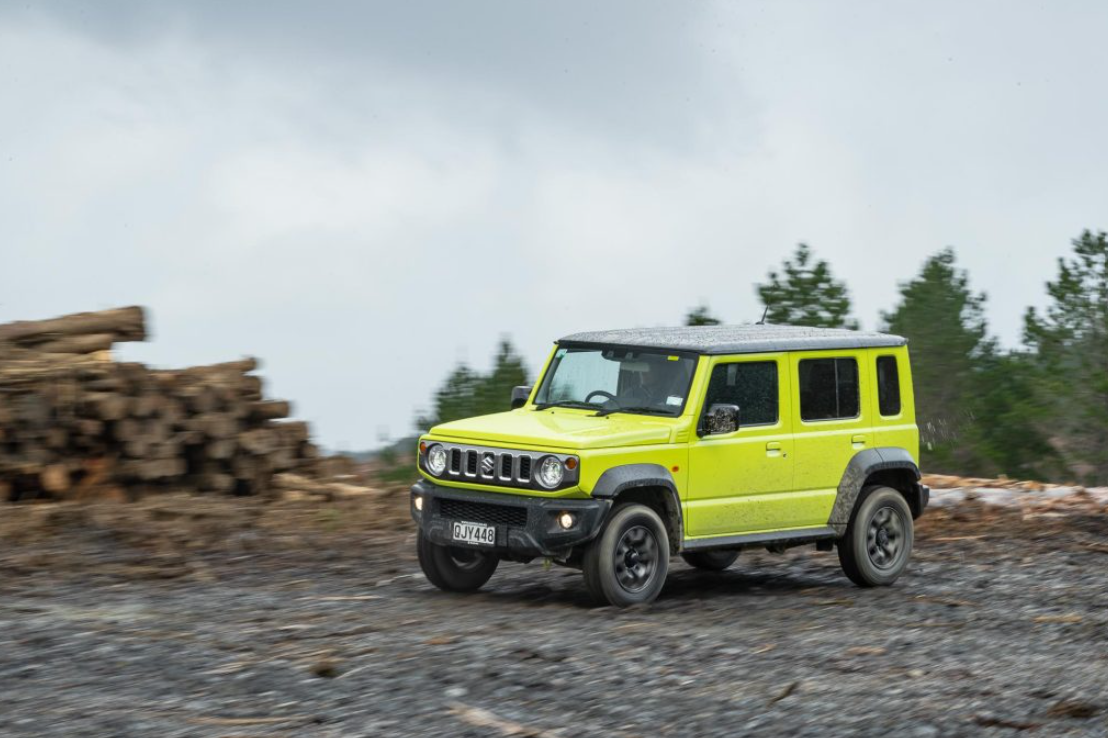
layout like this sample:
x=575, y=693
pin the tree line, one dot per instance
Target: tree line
x=1037, y=411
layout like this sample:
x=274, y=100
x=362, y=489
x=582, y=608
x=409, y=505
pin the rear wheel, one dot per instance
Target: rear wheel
x=710, y=560
x=627, y=563
x=455, y=568
x=878, y=541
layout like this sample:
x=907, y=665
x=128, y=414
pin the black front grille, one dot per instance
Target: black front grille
x=455, y=460
x=506, y=466
x=471, y=463
x=525, y=468
x=483, y=512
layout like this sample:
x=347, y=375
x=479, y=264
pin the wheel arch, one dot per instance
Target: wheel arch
x=888, y=466
x=647, y=484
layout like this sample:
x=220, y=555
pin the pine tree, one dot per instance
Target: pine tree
x=467, y=393
x=701, y=316
x=1070, y=341
x=945, y=326
x=806, y=295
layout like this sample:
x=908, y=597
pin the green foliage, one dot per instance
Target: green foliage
x=1070, y=344
x=467, y=393
x=944, y=323
x=700, y=316
x=975, y=405
x=807, y=294
x=1009, y=415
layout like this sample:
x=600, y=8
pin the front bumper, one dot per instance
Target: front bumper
x=526, y=527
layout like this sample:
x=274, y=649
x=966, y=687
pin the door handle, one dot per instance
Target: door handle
x=858, y=440
x=773, y=449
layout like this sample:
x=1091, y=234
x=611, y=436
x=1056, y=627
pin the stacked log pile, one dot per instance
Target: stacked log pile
x=74, y=423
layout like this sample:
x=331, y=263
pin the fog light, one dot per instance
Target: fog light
x=567, y=520
x=418, y=502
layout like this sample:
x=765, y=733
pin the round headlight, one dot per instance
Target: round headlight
x=551, y=472
x=436, y=460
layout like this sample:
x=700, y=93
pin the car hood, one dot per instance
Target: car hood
x=560, y=428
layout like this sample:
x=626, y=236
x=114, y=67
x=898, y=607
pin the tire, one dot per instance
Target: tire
x=455, y=568
x=878, y=541
x=710, y=560
x=628, y=562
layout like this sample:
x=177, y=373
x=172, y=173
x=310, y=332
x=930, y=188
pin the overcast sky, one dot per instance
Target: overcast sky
x=363, y=194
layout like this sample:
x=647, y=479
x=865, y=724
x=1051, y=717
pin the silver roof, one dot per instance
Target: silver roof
x=739, y=339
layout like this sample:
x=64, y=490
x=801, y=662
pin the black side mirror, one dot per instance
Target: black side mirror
x=721, y=418
x=519, y=396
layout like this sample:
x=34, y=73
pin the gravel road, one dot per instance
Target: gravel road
x=319, y=626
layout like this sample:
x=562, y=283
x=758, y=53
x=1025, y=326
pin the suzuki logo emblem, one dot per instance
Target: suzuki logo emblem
x=488, y=464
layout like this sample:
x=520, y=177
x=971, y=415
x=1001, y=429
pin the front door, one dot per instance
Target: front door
x=741, y=482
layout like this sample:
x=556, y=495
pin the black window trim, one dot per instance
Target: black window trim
x=861, y=396
x=776, y=361
x=899, y=395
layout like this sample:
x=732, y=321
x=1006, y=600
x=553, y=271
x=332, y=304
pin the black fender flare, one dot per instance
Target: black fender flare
x=863, y=464
x=620, y=479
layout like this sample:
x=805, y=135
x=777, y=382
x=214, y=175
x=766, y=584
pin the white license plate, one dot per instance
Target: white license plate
x=483, y=535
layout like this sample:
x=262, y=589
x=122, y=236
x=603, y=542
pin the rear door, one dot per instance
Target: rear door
x=740, y=482
x=832, y=422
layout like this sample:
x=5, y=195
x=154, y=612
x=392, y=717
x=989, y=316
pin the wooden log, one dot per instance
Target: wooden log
x=270, y=410
x=86, y=344
x=199, y=399
x=216, y=482
x=252, y=388
x=244, y=467
x=219, y=425
x=188, y=438
x=127, y=429
x=106, y=406
x=282, y=459
x=126, y=324
x=147, y=405
x=156, y=430
x=259, y=442
x=220, y=449
x=242, y=366
x=137, y=448
x=171, y=411
x=57, y=438
x=55, y=478
x=293, y=432
x=164, y=450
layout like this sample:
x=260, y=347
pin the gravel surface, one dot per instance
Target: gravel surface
x=319, y=626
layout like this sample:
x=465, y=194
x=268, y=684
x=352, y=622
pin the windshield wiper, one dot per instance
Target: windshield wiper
x=630, y=409
x=566, y=403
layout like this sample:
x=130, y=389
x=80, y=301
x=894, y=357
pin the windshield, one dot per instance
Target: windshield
x=618, y=380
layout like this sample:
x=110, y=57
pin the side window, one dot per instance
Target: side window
x=888, y=385
x=828, y=389
x=750, y=385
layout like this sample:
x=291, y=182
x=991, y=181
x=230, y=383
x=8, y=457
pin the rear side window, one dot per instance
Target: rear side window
x=750, y=385
x=828, y=389
x=888, y=385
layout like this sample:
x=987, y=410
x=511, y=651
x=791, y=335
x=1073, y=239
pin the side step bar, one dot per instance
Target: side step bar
x=791, y=537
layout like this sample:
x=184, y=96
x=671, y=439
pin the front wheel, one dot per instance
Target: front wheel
x=627, y=564
x=455, y=568
x=878, y=541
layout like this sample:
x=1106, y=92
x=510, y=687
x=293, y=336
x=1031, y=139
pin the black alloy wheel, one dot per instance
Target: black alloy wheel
x=627, y=563
x=879, y=539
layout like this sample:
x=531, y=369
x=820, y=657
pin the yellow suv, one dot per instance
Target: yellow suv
x=701, y=441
